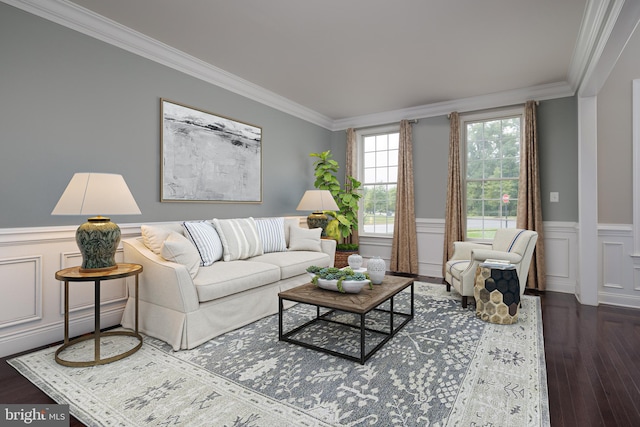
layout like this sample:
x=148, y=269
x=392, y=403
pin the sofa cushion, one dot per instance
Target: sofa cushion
x=289, y=223
x=154, y=236
x=206, y=240
x=240, y=238
x=271, y=232
x=304, y=239
x=227, y=278
x=177, y=248
x=294, y=263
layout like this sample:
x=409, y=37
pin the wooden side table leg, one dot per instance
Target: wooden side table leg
x=97, y=322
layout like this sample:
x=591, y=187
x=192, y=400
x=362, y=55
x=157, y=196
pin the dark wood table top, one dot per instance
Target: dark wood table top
x=362, y=302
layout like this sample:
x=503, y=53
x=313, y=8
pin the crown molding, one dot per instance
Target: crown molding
x=618, y=26
x=494, y=100
x=90, y=23
x=590, y=30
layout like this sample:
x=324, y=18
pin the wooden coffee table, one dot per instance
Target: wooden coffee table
x=360, y=304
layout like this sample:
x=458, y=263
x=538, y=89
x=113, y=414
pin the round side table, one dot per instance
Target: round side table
x=73, y=274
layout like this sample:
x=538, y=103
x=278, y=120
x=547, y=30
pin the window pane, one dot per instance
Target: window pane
x=492, y=149
x=370, y=175
x=492, y=169
x=381, y=174
x=393, y=174
x=393, y=157
x=381, y=142
x=394, y=141
x=475, y=169
x=369, y=143
x=475, y=132
x=475, y=150
x=369, y=159
x=381, y=158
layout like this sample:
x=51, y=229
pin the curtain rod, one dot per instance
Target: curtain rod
x=412, y=121
x=449, y=114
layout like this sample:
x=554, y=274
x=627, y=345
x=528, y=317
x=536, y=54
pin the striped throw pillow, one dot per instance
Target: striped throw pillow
x=271, y=232
x=239, y=237
x=206, y=240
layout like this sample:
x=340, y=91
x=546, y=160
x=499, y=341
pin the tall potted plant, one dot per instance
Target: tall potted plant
x=345, y=220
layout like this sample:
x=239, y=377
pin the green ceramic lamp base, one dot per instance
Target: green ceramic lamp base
x=318, y=220
x=98, y=239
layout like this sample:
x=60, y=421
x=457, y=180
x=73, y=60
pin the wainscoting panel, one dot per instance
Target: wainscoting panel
x=561, y=256
x=619, y=281
x=32, y=304
x=22, y=280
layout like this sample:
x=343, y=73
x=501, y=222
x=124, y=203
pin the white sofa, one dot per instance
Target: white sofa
x=185, y=303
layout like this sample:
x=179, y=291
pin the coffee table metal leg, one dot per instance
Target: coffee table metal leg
x=391, y=316
x=362, y=347
x=280, y=306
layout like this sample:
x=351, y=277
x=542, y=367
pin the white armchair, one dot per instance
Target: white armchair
x=511, y=244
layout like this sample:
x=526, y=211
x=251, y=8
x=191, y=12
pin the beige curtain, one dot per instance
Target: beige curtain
x=351, y=169
x=454, y=225
x=404, y=249
x=529, y=202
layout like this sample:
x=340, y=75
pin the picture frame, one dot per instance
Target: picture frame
x=207, y=157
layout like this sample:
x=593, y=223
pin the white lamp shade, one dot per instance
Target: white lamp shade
x=96, y=194
x=317, y=201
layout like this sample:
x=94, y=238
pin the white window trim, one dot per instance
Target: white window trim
x=475, y=117
x=360, y=135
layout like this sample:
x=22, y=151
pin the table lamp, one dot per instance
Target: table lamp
x=97, y=194
x=317, y=201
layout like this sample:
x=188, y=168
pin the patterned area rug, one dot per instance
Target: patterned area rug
x=445, y=368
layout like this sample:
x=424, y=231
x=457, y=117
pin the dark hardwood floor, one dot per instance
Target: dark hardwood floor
x=592, y=355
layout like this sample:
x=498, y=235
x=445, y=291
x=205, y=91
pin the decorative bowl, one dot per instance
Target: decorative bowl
x=349, y=286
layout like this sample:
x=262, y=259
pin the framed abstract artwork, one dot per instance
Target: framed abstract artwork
x=208, y=158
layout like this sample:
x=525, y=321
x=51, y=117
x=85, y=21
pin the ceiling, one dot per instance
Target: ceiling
x=344, y=59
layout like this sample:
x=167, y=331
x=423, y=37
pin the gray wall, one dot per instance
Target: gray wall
x=70, y=103
x=558, y=155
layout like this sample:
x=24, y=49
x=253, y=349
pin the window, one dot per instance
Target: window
x=378, y=149
x=492, y=169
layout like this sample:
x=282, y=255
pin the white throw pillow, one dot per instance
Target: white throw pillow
x=154, y=236
x=240, y=238
x=206, y=240
x=304, y=239
x=178, y=248
x=271, y=232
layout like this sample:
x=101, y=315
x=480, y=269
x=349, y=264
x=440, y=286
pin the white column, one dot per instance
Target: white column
x=588, y=281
